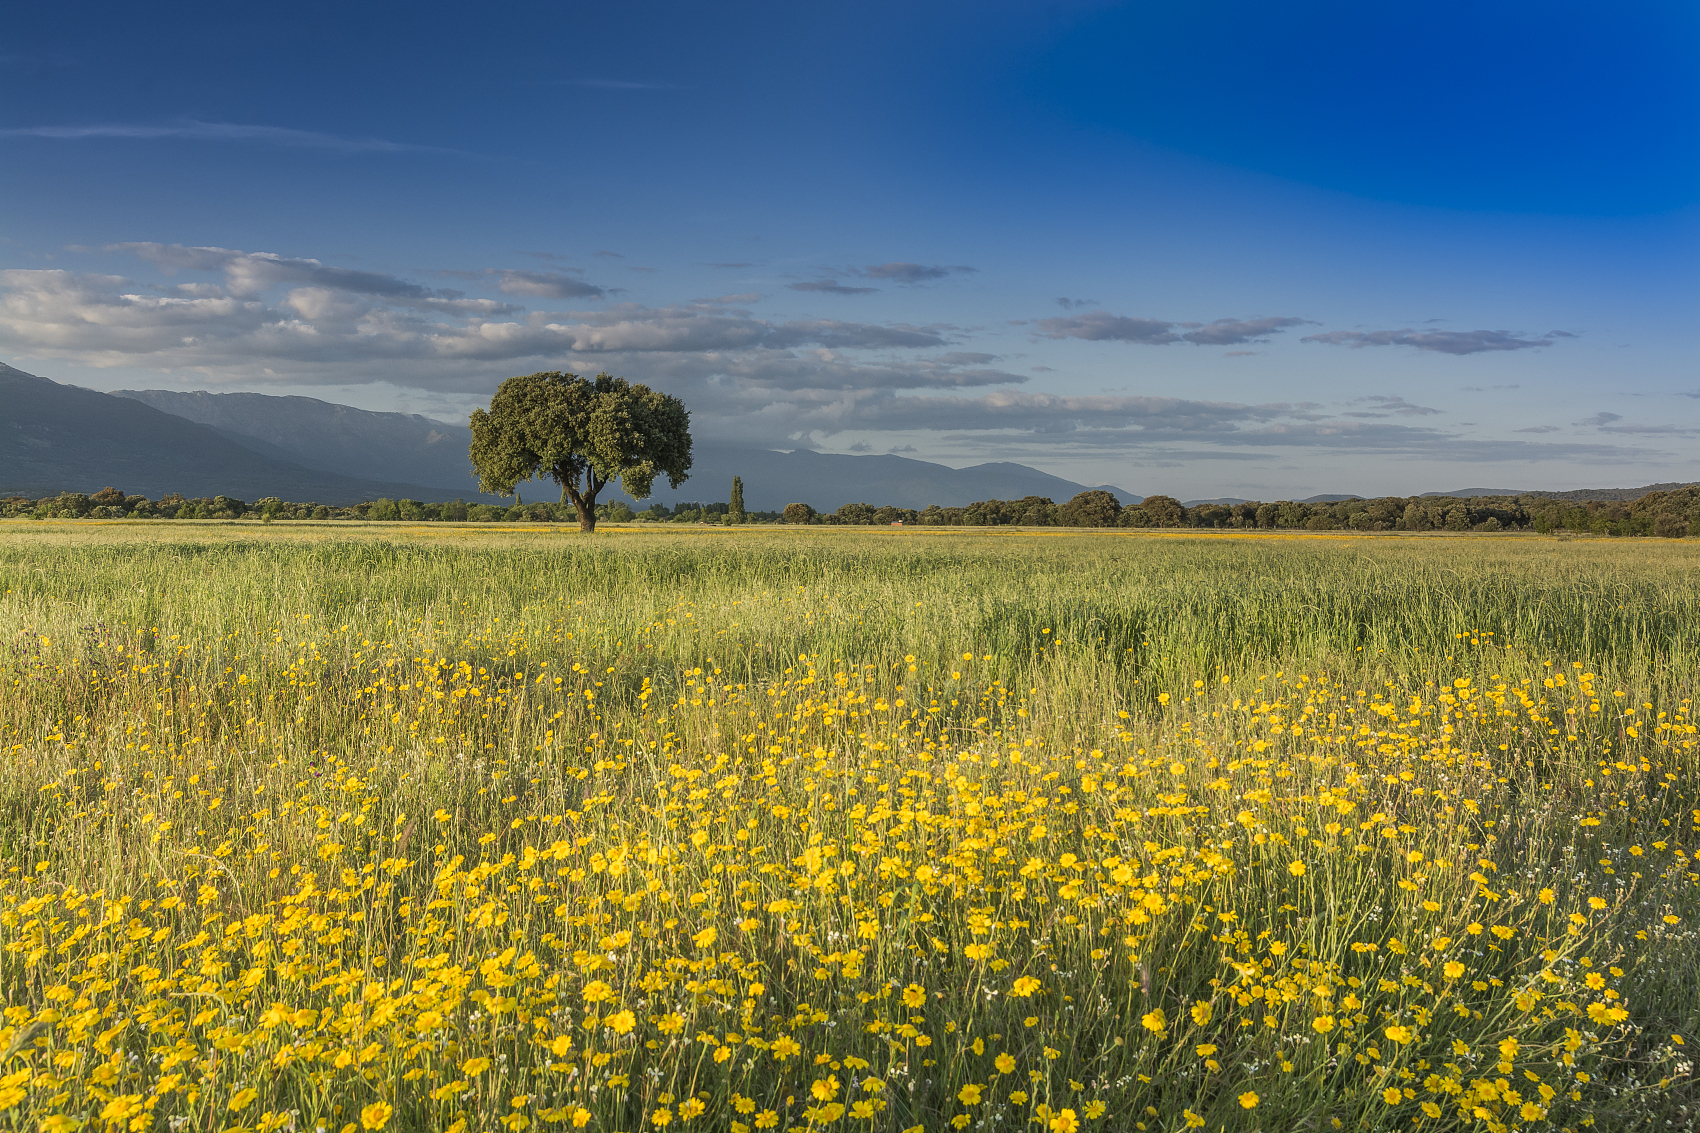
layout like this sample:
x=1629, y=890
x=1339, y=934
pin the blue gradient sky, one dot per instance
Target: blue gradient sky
x=1204, y=249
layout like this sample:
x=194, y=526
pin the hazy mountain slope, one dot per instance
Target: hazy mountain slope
x=337, y=438
x=59, y=438
x=826, y=481
x=357, y=442
x=1580, y=495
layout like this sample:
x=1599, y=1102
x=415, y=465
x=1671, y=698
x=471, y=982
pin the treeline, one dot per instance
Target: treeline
x=1671, y=514
x=111, y=503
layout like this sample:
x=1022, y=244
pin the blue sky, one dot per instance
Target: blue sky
x=1205, y=249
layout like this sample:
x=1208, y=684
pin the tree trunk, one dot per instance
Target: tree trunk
x=585, y=502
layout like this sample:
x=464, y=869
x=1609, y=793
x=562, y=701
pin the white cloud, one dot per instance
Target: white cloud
x=544, y=284
x=253, y=273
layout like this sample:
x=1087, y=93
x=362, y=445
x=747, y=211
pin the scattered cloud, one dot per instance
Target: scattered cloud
x=544, y=284
x=831, y=287
x=1538, y=429
x=722, y=265
x=1101, y=326
x=904, y=272
x=742, y=299
x=190, y=129
x=1232, y=332
x=609, y=255
x=1653, y=430
x=1438, y=341
x=1608, y=423
x=248, y=274
x=1240, y=353
x=1075, y=304
x=1384, y=405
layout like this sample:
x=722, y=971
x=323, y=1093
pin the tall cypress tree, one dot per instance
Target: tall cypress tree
x=735, y=510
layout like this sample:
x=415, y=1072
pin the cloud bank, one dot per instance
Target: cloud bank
x=252, y=319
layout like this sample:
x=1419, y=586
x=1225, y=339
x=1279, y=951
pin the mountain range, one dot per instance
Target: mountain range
x=57, y=437
x=62, y=438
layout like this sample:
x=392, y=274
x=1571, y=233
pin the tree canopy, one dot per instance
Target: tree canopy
x=583, y=434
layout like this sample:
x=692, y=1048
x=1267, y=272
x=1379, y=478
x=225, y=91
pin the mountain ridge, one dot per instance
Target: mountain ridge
x=350, y=441
x=57, y=437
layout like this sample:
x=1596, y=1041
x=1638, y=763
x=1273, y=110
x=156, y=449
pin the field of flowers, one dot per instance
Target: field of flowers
x=338, y=829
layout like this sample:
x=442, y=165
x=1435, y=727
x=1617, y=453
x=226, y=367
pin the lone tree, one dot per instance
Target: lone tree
x=582, y=434
x=735, y=510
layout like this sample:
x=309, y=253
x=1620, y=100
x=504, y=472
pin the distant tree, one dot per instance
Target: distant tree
x=582, y=434
x=72, y=505
x=1096, y=508
x=736, y=509
x=855, y=514
x=617, y=512
x=799, y=513
x=1165, y=511
x=1211, y=515
x=108, y=497
x=1670, y=525
x=1036, y=511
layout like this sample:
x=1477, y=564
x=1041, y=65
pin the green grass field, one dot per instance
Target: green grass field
x=327, y=826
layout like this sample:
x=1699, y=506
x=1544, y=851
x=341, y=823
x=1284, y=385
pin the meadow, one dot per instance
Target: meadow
x=342, y=828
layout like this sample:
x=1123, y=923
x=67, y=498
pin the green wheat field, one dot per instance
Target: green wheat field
x=342, y=828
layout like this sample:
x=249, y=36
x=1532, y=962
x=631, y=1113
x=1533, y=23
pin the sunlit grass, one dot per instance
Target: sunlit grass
x=329, y=828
